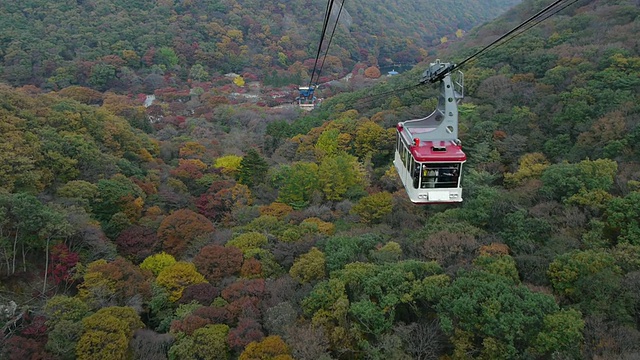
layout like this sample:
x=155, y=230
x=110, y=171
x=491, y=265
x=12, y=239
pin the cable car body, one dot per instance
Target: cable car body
x=306, y=99
x=428, y=154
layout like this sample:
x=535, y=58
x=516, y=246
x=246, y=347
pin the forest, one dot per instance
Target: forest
x=201, y=226
x=134, y=45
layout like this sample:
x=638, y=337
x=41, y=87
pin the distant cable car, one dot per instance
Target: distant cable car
x=306, y=99
x=429, y=155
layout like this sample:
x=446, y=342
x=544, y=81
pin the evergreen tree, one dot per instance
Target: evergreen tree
x=253, y=168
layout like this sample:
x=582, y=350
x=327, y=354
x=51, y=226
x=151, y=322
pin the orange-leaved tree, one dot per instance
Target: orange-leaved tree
x=216, y=262
x=180, y=228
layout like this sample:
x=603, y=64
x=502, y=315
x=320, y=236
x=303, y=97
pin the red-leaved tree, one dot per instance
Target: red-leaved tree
x=248, y=330
x=217, y=315
x=63, y=264
x=203, y=293
x=136, y=243
x=189, y=324
x=216, y=262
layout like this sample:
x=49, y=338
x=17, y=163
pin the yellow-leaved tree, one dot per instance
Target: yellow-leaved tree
x=229, y=164
x=239, y=81
x=271, y=347
x=309, y=267
x=177, y=277
x=374, y=207
x=107, y=333
x=530, y=166
x=157, y=262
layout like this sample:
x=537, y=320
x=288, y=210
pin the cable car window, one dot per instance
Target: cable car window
x=441, y=175
x=415, y=173
x=405, y=155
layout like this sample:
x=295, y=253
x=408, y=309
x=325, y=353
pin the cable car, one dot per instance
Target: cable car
x=306, y=99
x=428, y=154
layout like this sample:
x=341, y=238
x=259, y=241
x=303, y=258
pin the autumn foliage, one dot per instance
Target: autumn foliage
x=372, y=72
x=180, y=228
x=272, y=347
x=216, y=262
x=154, y=205
x=137, y=243
x=175, y=278
x=63, y=262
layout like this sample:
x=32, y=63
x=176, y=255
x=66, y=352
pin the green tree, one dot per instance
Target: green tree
x=523, y=232
x=309, y=267
x=198, y=73
x=297, y=183
x=328, y=143
x=561, y=333
x=341, y=250
x=370, y=317
x=390, y=252
x=622, y=219
x=339, y=174
x=373, y=208
x=62, y=338
x=166, y=56
x=208, y=342
x=492, y=315
x=561, y=181
x=592, y=280
x=503, y=265
x=101, y=76
x=113, y=195
x=83, y=191
x=253, y=169
x=31, y=226
x=370, y=139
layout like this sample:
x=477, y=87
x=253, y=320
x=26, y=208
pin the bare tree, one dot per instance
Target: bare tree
x=423, y=340
x=149, y=345
x=606, y=340
x=449, y=248
x=280, y=318
x=308, y=342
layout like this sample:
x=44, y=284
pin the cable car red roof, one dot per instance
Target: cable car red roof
x=437, y=151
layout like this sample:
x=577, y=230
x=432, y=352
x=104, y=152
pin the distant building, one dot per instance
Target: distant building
x=148, y=101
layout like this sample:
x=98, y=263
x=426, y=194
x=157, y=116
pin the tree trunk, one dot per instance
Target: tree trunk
x=7, y=260
x=46, y=267
x=15, y=250
x=24, y=259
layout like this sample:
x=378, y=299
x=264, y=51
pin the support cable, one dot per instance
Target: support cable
x=324, y=31
x=333, y=31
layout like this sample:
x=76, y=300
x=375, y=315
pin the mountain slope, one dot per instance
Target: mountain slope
x=118, y=44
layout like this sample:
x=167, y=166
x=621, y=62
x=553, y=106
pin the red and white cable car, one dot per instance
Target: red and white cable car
x=429, y=155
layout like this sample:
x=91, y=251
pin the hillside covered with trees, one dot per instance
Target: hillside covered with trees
x=204, y=227
x=134, y=46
